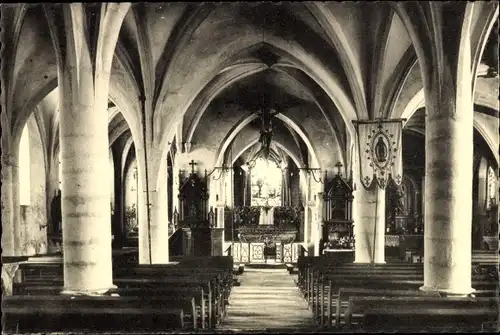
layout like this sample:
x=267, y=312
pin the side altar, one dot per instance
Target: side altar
x=194, y=222
x=264, y=233
x=337, y=226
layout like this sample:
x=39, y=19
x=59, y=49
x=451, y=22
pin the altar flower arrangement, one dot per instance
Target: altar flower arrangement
x=344, y=242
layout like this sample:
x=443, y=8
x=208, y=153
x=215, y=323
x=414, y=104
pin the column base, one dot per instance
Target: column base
x=110, y=291
x=462, y=292
x=380, y=262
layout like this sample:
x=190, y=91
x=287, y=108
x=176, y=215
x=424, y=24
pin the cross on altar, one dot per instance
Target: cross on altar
x=192, y=163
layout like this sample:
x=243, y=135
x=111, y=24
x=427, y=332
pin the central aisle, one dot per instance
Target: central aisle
x=267, y=299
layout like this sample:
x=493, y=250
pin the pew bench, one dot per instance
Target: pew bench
x=357, y=305
x=160, y=283
x=385, y=284
x=201, y=303
x=220, y=285
x=406, y=318
x=320, y=289
x=344, y=294
x=65, y=313
x=223, y=283
x=311, y=272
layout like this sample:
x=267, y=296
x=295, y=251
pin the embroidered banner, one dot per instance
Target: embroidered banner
x=380, y=151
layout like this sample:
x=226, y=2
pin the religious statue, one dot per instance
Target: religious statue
x=266, y=216
x=400, y=205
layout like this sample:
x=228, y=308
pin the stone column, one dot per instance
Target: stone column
x=449, y=156
x=448, y=202
x=379, y=159
x=159, y=227
x=220, y=215
x=447, y=60
x=83, y=88
x=119, y=216
x=248, y=188
x=423, y=204
x=318, y=220
x=285, y=187
x=85, y=202
x=8, y=248
x=175, y=187
x=18, y=228
x=142, y=214
x=369, y=224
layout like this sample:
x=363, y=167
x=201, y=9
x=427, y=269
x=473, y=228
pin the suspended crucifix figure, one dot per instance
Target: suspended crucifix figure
x=266, y=133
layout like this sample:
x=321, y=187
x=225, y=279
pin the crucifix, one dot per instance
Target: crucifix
x=192, y=163
x=266, y=134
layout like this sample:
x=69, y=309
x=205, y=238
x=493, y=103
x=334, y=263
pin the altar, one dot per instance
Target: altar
x=267, y=234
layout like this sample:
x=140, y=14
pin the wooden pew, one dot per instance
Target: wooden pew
x=407, y=318
x=201, y=303
x=312, y=271
x=163, y=283
x=317, y=291
x=383, y=284
x=345, y=293
x=65, y=313
x=219, y=284
x=221, y=281
x=154, y=275
x=357, y=305
x=485, y=258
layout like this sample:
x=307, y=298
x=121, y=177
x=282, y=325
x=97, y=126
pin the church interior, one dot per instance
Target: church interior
x=239, y=167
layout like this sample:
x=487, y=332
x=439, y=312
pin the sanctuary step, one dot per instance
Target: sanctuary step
x=267, y=300
x=265, y=266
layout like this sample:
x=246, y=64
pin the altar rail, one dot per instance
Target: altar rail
x=254, y=252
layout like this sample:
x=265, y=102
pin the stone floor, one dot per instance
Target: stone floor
x=267, y=300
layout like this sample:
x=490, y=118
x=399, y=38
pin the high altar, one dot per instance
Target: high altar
x=264, y=233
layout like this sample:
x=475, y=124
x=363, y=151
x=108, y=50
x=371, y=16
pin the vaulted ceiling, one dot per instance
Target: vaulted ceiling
x=334, y=61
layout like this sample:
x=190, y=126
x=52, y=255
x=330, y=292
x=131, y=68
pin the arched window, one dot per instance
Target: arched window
x=492, y=185
x=24, y=168
x=266, y=183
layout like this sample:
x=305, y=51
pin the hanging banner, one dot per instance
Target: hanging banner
x=380, y=151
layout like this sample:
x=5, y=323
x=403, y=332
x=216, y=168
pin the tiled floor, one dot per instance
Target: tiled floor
x=267, y=299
